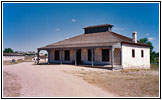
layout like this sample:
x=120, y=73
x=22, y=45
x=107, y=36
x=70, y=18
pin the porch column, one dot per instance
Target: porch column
x=112, y=57
x=75, y=56
x=48, y=56
x=38, y=56
x=121, y=56
x=61, y=54
x=92, y=57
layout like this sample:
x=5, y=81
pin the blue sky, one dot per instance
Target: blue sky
x=28, y=26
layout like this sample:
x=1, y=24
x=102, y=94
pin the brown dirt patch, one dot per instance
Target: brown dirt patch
x=128, y=83
x=11, y=87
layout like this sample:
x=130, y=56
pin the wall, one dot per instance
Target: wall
x=52, y=56
x=97, y=56
x=128, y=62
x=72, y=56
x=5, y=58
x=84, y=56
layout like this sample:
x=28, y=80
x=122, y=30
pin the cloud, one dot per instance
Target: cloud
x=151, y=38
x=147, y=34
x=118, y=29
x=57, y=29
x=73, y=20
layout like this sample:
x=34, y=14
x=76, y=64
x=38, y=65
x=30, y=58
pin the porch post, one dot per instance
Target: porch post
x=61, y=51
x=92, y=57
x=48, y=56
x=75, y=56
x=38, y=56
x=121, y=56
x=112, y=57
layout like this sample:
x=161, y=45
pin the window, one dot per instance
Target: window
x=67, y=55
x=89, y=55
x=133, y=53
x=105, y=54
x=142, y=53
x=57, y=55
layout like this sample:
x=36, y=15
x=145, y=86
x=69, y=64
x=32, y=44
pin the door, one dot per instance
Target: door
x=79, y=56
x=117, y=56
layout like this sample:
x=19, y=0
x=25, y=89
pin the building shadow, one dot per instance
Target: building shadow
x=107, y=67
x=96, y=66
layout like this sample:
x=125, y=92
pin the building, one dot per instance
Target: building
x=42, y=58
x=100, y=46
x=13, y=56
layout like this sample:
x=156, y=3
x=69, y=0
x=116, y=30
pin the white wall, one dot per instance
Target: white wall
x=128, y=62
x=5, y=58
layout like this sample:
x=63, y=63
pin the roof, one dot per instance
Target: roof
x=94, y=26
x=92, y=40
x=12, y=54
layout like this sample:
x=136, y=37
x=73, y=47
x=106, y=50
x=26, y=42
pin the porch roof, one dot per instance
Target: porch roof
x=92, y=40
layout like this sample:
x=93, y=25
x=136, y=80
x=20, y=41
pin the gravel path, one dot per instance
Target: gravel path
x=52, y=81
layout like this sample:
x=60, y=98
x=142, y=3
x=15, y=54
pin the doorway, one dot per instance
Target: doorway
x=79, y=56
x=117, y=56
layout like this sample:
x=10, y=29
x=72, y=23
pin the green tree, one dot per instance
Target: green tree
x=46, y=54
x=8, y=50
x=152, y=53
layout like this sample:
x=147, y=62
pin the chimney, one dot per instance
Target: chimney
x=134, y=37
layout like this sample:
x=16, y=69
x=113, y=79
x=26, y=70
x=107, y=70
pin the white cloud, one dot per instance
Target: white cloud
x=151, y=38
x=73, y=20
x=147, y=34
x=57, y=29
x=118, y=29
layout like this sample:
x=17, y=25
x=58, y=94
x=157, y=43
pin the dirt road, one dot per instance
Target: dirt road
x=51, y=81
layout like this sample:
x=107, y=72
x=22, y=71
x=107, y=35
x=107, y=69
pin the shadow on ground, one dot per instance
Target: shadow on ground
x=85, y=66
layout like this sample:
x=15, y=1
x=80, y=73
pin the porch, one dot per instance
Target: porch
x=96, y=56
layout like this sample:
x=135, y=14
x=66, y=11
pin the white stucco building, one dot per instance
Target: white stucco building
x=13, y=56
x=100, y=46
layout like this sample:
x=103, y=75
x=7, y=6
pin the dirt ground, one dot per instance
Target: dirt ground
x=11, y=63
x=11, y=87
x=47, y=81
x=128, y=83
x=28, y=80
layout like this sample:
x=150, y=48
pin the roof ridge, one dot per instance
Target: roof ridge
x=121, y=35
x=126, y=37
x=115, y=36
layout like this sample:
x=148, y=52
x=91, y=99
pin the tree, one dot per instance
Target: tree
x=152, y=53
x=46, y=54
x=8, y=50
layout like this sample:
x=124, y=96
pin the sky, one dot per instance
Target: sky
x=28, y=26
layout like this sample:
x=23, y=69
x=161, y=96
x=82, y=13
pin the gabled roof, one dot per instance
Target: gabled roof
x=92, y=40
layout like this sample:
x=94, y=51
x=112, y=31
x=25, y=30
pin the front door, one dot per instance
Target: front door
x=79, y=56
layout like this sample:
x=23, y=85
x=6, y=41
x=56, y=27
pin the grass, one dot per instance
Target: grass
x=140, y=83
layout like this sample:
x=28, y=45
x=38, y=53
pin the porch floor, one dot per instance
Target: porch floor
x=89, y=66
